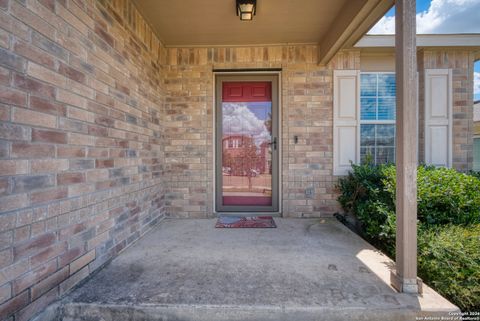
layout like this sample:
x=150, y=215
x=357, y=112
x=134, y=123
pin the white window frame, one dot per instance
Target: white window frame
x=373, y=122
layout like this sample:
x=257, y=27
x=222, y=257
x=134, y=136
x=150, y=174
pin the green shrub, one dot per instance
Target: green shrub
x=449, y=261
x=474, y=173
x=363, y=194
x=448, y=224
x=444, y=195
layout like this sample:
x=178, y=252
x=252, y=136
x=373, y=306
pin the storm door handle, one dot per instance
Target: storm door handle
x=273, y=143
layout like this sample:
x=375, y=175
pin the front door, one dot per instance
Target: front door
x=247, y=143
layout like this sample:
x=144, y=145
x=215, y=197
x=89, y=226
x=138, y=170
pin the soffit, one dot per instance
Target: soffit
x=214, y=22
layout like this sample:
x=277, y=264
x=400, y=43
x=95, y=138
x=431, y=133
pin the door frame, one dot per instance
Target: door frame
x=264, y=75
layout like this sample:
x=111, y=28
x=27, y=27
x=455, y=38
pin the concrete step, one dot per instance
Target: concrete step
x=96, y=312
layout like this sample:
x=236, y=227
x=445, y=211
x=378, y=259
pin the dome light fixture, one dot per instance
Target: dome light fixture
x=246, y=9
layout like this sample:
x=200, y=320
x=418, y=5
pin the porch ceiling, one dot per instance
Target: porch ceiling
x=330, y=23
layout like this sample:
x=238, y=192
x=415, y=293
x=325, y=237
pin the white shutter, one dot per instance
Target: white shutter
x=346, y=98
x=438, y=117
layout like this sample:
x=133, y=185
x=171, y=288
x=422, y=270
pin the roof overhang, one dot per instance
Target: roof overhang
x=356, y=18
x=439, y=41
x=330, y=24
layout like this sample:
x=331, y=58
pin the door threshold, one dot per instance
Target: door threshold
x=274, y=214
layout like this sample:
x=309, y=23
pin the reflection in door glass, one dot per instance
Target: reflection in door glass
x=246, y=153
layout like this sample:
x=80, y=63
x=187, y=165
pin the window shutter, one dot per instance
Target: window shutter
x=346, y=111
x=438, y=117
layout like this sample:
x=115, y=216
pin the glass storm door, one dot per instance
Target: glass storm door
x=247, y=144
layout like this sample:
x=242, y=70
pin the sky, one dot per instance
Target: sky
x=441, y=16
x=246, y=119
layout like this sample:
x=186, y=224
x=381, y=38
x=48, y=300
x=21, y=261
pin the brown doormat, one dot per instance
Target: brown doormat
x=227, y=221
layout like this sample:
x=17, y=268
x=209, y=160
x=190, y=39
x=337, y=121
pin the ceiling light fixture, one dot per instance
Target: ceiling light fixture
x=246, y=9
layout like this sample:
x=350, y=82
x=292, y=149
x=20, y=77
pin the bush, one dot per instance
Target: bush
x=449, y=261
x=445, y=196
x=363, y=194
x=448, y=229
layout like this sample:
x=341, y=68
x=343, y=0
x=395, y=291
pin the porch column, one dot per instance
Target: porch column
x=404, y=279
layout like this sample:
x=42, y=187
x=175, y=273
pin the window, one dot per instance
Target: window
x=377, y=117
x=476, y=154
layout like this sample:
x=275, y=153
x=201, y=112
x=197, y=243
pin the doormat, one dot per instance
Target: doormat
x=245, y=222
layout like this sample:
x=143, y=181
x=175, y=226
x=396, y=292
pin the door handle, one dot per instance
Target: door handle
x=273, y=143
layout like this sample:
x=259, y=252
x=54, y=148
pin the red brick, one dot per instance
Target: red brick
x=80, y=114
x=97, y=108
x=33, y=86
x=12, y=97
x=49, y=46
x=12, y=61
x=13, y=202
x=6, y=239
x=49, y=253
x=72, y=125
x=104, y=121
x=48, y=165
x=53, y=280
x=13, y=167
x=5, y=76
x=46, y=106
x=32, y=53
x=104, y=99
x=5, y=292
x=33, y=246
x=71, y=73
x=47, y=75
x=80, y=139
x=22, y=234
x=70, y=255
x=104, y=35
x=4, y=148
x=12, y=25
x=104, y=163
x=4, y=186
x=97, y=131
x=30, y=117
x=13, y=305
x=34, y=21
x=98, y=152
x=4, y=113
x=14, y=132
x=4, y=4
x=7, y=221
x=29, y=183
x=32, y=215
x=35, y=276
x=4, y=39
x=6, y=258
x=70, y=152
x=80, y=189
x=50, y=4
x=74, y=280
x=49, y=136
x=48, y=195
x=82, y=261
x=25, y=150
x=35, y=307
x=70, y=178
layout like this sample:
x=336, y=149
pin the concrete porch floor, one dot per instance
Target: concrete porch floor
x=306, y=269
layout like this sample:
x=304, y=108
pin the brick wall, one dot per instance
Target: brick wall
x=462, y=63
x=306, y=111
x=81, y=158
x=103, y=131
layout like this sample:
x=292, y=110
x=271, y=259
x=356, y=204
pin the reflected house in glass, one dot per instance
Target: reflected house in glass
x=236, y=148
